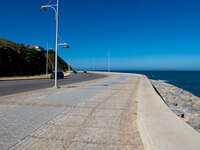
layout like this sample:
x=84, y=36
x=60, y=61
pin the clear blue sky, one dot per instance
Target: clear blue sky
x=140, y=34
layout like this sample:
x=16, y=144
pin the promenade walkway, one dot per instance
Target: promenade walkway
x=97, y=114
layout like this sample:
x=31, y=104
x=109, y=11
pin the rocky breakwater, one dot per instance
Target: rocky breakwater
x=182, y=103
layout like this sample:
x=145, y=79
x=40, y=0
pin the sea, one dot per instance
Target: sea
x=187, y=80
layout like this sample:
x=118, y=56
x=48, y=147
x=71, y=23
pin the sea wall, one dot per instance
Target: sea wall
x=160, y=128
x=182, y=103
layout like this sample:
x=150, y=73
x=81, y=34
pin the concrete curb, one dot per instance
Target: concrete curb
x=29, y=77
x=159, y=127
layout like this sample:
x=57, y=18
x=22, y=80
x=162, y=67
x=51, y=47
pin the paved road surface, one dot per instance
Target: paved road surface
x=17, y=86
x=88, y=116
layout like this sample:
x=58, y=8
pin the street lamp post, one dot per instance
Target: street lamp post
x=55, y=8
x=69, y=67
x=56, y=55
x=47, y=61
x=108, y=63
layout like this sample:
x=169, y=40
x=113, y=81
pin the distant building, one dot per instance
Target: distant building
x=37, y=48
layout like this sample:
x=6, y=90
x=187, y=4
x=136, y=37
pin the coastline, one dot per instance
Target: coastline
x=153, y=121
x=183, y=103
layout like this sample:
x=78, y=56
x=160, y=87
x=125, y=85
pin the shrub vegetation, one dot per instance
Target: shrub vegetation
x=19, y=60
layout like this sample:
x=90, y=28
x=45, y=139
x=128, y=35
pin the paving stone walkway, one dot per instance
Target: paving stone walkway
x=107, y=121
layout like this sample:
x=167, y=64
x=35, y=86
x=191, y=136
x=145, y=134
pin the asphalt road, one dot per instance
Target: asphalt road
x=17, y=86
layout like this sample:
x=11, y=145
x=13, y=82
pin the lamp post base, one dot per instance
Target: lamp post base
x=56, y=87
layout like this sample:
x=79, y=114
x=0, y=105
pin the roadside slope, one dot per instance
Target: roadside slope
x=20, y=60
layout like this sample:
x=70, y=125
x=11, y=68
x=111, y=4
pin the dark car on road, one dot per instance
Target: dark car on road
x=60, y=75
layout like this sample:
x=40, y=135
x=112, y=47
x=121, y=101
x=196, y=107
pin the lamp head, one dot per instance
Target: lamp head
x=42, y=8
x=66, y=46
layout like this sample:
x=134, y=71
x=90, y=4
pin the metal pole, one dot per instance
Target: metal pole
x=68, y=67
x=108, y=61
x=93, y=62
x=56, y=54
x=47, y=61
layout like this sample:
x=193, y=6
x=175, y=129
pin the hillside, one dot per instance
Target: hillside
x=18, y=59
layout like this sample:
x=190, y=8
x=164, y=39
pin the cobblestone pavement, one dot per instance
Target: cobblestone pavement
x=105, y=119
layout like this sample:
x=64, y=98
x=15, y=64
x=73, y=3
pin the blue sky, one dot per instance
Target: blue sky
x=139, y=34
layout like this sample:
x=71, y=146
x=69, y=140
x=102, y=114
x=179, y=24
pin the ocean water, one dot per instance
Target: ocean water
x=187, y=80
